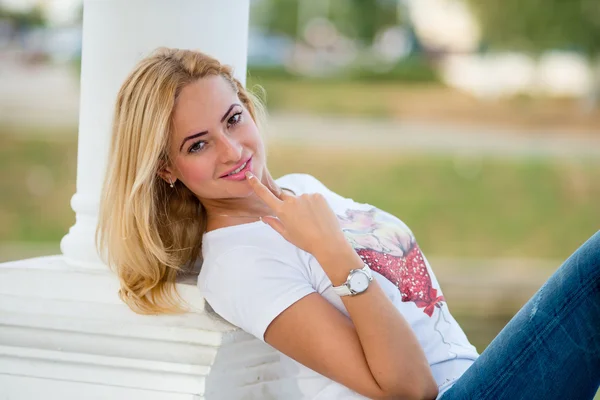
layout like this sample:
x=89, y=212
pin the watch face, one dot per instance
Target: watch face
x=359, y=282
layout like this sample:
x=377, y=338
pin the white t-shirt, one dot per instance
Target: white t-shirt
x=251, y=274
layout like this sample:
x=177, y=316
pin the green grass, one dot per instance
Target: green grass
x=38, y=181
x=329, y=97
x=414, y=70
x=421, y=101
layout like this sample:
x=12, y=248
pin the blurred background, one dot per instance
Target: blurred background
x=476, y=122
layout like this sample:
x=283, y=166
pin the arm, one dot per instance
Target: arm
x=374, y=353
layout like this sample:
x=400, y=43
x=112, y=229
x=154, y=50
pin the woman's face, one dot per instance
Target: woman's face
x=214, y=134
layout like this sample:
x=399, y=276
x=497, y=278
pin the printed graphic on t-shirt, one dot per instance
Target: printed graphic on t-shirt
x=388, y=247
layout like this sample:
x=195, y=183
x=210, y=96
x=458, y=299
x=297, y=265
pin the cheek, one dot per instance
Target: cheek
x=195, y=170
x=253, y=137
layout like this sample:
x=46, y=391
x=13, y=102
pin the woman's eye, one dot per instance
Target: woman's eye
x=234, y=119
x=196, y=147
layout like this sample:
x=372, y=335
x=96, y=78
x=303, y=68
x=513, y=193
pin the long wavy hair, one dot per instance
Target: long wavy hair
x=147, y=232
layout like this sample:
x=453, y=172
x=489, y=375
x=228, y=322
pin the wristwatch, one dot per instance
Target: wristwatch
x=357, y=282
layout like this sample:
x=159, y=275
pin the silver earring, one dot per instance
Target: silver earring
x=170, y=183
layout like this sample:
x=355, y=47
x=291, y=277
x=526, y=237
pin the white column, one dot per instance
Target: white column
x=116, y=35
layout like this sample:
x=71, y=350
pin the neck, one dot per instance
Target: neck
x=220, y=216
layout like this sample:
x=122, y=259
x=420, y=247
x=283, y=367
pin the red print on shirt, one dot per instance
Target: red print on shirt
x=388, y=247
x=408, y=273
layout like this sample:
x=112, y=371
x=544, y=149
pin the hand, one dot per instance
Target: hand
x=306, y=221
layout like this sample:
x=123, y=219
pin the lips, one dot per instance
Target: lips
x=236, y=167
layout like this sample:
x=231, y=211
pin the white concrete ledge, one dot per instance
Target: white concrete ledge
x=63, y=328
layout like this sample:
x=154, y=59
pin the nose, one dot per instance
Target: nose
x=229, y=148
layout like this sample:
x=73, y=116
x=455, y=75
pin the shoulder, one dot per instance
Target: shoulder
x=250, y=261
x=249, y=286
x=302, y=183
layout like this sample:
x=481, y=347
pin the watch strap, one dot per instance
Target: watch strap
x=342, y=290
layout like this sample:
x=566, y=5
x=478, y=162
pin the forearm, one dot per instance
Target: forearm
x=392, y=351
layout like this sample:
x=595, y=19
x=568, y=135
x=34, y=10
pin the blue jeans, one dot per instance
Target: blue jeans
x=551, y=347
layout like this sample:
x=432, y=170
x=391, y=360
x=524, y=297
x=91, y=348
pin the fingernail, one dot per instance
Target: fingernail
x=249, y=175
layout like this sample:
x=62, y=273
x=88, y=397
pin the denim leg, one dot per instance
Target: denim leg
x=551, y=347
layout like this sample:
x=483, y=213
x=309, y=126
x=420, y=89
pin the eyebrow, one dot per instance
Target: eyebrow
x=195, y=135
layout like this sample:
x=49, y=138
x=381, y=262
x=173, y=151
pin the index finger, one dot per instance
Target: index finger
x=262, y=191
x=271, y=185
x=274, y=187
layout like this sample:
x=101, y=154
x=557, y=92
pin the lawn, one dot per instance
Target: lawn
x=429, y=102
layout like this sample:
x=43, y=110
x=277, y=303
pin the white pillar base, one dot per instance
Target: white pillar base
x=64, y=334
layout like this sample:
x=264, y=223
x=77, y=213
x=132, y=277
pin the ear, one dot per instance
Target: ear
x=167, y=174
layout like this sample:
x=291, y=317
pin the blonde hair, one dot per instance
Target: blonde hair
x=148, y=232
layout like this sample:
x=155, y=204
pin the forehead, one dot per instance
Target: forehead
x=202, y=103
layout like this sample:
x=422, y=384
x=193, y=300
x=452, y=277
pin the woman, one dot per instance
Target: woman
x=340, y=289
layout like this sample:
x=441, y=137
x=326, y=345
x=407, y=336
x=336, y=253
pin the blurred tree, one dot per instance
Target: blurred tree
x=539, y=25
x=278, y=16
x=356, y=19
x=34, y=17
x=363, y=19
